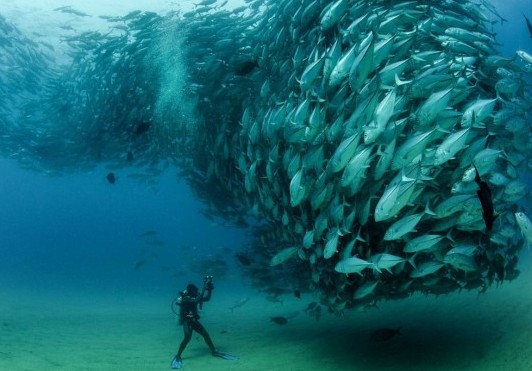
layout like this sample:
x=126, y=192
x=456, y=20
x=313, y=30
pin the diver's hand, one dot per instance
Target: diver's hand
x=209, y=286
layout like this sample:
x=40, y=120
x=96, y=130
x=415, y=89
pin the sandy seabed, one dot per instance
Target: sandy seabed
x=108, y=331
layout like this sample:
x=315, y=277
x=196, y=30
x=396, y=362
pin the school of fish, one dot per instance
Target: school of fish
x=381, y=147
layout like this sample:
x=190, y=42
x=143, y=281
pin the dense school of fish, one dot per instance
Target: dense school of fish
x=381, y=146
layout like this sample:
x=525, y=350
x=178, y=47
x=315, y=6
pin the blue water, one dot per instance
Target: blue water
x=513, y=34
x=77, y=231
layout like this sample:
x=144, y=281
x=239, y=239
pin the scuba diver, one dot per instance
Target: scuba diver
x=188, y=301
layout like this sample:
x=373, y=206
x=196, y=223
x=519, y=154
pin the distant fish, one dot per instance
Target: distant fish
x=245, y=67
x=142, y=128
x=67, y=28
x=312, y=306
x=273, y=299
x=484, y=195
x=280, y=320
x=111, y=178
x=297, y=293
x=149, y=233
x=529, y=25
x=525, y=225
x=314, y=310
x=239, y=303
x=139, y=264
x=70, y=10
x=157, y=243
x=385, y=334
x=243, y=258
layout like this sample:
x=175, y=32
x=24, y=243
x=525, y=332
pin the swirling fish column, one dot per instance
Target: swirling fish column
x=363, y=140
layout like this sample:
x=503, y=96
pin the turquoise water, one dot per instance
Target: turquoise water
x=88, y=270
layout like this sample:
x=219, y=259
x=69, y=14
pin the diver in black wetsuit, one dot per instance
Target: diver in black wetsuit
x=188, y=301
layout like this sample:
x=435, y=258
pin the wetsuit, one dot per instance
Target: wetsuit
x=189, y=318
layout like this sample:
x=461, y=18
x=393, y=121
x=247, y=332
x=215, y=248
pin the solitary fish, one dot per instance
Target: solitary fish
x=484, y=195
x=528, y=25
x=525, y=225
x=149, y=233
x=280, y=320
x=239, y=303
x=243, y=258
x=111, y=178
x=385, y=334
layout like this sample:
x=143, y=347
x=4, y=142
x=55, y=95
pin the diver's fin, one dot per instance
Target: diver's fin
x=227, y=356
x=177, y=362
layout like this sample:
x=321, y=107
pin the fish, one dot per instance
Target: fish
x=149, y=233
x=331, y=244
x=425, y=242
x=70, y=10
x=385, y=334
x=343, y=153
x=353, y=265
x=394, y=198
x=484, y=195
x=426, y=268
x=436, y=103
x=246, y=67
x=365, y=290
x=313, y=309
x=279, y=320
x=525, y=225
x=310, y=74
x=450, y=146
x=239, y=303
x=111, y=178
x=297, y=189
x=243, y=258
x=312, y=306
x=462, y=262
x=297, y=293
x=139, y=264
x=142, y=127
x=402, y=226
x=284, y=255
x=411, y=149
x=341, y=69
x=385, y=261
x=524, y=56
x=528, y=25
x=331, y=14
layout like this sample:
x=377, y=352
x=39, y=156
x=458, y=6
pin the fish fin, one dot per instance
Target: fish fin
x=477, y=175
x=428, y=210
x=400, y=82
x=359, y=238
x=227, y=356
x=442, y=130
x=375, y=268
x=404, y=178
x=342, y=231
x=449, y=236
x=398, y=330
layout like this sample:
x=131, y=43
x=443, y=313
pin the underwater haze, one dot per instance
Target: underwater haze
x=354, y=174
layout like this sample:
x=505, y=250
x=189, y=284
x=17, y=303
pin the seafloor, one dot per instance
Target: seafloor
x=85, y=330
